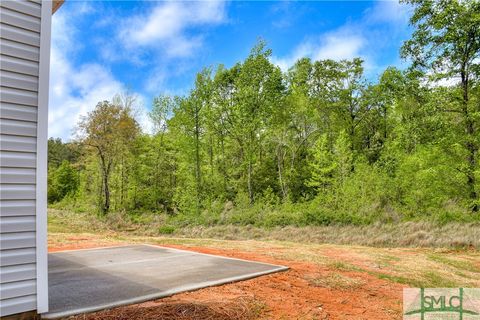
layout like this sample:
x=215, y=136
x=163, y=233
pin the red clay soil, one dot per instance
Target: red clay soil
x=286, y=295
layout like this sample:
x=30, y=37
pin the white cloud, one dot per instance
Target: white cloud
x=365, y=38
x=167, y=26
x=344, y=43
x=340, y=45
x=169, y=30
x=74, y=90
x=388, y=11
x=141, y=115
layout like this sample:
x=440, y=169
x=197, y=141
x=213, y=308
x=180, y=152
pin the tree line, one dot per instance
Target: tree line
x=319, y=143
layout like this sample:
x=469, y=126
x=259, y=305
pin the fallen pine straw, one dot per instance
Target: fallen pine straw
x=243, y=308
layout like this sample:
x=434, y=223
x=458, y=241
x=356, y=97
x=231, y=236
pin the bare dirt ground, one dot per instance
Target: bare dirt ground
x=324, y=281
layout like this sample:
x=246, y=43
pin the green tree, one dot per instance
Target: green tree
x=162, y=108
x=62, y=181
x=339, y=88
x=294, y=129
x=343, y=156
x=109, y=129
x=322, y=164
x=258, y=90
x=446, y=44
x=252, y=144
x=58, y=151
x=189, y=125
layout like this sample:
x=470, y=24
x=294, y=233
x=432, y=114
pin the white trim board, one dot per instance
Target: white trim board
x=42, y=144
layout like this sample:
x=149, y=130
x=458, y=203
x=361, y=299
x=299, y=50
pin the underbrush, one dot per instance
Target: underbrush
x=319, y=212
x=276, y=225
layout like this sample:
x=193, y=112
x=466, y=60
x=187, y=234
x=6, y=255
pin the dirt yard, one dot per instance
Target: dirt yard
x=324, y=281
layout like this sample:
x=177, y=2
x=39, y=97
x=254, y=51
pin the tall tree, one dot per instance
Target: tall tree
x=59, y=151
x=446, y=44
x=258, y=90
x=322, y=164
x=162, y=108
x=339, y=88
x=109, y=128
x=201, y=96
x=293, y=130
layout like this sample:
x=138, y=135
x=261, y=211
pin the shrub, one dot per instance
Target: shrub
x=166, y=229
x=62, y=181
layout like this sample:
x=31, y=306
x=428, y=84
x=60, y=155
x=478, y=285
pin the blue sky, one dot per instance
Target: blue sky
x=101, y=48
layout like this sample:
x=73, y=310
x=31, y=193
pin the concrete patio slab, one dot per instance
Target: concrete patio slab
x=89, y=280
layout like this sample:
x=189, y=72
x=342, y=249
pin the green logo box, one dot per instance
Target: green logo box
x=441, y=303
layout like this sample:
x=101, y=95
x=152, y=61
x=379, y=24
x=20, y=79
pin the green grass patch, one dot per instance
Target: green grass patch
x=455, y=263
x=343, y=266
x=416, y=283
x=435, y=280
x=166, y=229
x=428, y=279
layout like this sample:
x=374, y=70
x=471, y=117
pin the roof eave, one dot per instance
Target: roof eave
x=56, y=4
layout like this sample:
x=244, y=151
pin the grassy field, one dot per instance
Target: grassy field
x=322, y=274
x=415, y=267
x=452, y=235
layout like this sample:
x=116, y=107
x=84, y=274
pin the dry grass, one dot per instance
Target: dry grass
x=407, y=234
x=239, y=309
x=447, y=255
x=350, y=257
x=336, y=281
x=415, y=267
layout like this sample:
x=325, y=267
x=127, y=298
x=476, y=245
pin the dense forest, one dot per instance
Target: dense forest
x=318, y=144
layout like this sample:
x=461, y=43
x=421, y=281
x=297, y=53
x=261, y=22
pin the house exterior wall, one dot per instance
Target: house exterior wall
x=24, y=66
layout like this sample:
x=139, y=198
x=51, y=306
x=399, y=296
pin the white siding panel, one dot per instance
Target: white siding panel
x=18, y=112
x=17, y=175
x=18, y=289
x=19, y=128
x=19, y=81
x=17, y=256
x=16, y=240
x=21, y=264
x=19, y=50
x=18, y=65
x=15, y=143
x=20, y=35
x=24, y=7
x=17, y=192
x=17, y=224
x=17, y=159
x=15, y=18
x=17, y=305
x=10, y=208
x=17, y=273
x=18, y=96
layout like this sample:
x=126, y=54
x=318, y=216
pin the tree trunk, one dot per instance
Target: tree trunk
x=122, y=184
x=470, y=144
x=105, y=175
x=106, y=190
x=280, y=157
x=197, y=157
x=249, y=182
x=210, y=150
x=224, y=166
x=352, y=140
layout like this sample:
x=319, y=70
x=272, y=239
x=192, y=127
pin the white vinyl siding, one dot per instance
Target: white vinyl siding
x=20, y=26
